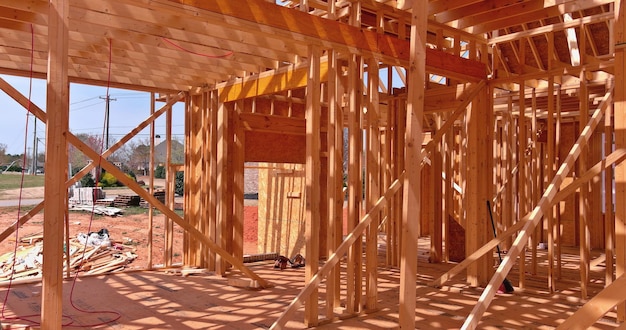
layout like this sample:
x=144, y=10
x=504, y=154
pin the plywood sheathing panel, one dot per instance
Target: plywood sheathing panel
x=281, y=209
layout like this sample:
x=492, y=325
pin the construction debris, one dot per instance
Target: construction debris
x=88, y=259
x=97, y=209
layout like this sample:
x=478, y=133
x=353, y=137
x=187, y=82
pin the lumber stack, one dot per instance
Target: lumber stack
x=159, y=195
x=88, y=259
x=126, y=200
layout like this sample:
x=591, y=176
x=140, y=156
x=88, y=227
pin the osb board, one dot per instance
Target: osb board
x=275, y=148
x=282, y=210
x=155, y=300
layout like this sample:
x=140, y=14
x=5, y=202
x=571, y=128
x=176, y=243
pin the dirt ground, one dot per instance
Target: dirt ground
x=128, y=230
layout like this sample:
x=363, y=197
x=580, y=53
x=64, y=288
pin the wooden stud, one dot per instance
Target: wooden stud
x=238, y=183
x=335, y=182
x=212, y=139
x=223, y=198
x=151, y=183
x=169, y=191
x=373, y=182
x=477, y=191
x=557, y=145
x=619, y=101
x=522, y=175
x=550, y=164
x=353, y=273
x=411, y=197
x=449, y=187
x=436, y=232
x=509, y=209
x=534, y=177
x=312, y=192
x=609, y=221
x=583, y=201
x=57, y=125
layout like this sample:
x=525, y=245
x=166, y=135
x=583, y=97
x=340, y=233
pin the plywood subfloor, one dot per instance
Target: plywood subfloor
x=156, y=300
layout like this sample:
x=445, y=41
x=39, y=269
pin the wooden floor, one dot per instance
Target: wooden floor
x=156, y=300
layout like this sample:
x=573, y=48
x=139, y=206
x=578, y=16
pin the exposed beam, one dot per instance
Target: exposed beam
x=522, y=12
x=301, y=27
x=551, y=28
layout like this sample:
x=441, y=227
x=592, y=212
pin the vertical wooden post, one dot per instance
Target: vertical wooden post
x=193, y=176
x=609, y=221
x=353, y=271
x=388, y=165
x=238, y=182
x=57, y=105
x=205, y=183
x=584, y=235
x=223, y=198
x=151, y=183
x=522, y=175
x=620, y=142
x=557, y=145
x=449, y=187
x=479, y=181
x=213, y=172
x=534, y=177
x=312, y=193
x=436, y=232
x=413, y=145
x=169, y=179
x=509, y=209
x=550, y=163
x=373, y=170
x=335, y=183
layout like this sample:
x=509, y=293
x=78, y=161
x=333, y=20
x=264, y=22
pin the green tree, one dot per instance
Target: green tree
x=179, y=187
x=3, y=153
x=159, y=173
x=88, y=181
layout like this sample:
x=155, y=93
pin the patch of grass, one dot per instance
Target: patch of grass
x=133, y=210
x=23, y=210
x=14, y=181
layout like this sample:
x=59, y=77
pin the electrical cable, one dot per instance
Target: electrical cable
x=192, y=52
x=117, y=315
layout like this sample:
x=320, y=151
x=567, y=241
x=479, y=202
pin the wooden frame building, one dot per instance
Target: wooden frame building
x=443, y=105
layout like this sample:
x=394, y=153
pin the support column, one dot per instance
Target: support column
x=312, y=193
x=479, y=182
x=223, y=198
x=373, y=182
x=413, y=145
x=619, y=99
x=355, y=185
x=57, y=106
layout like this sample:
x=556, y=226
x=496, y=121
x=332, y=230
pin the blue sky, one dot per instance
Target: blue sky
x=87, y=109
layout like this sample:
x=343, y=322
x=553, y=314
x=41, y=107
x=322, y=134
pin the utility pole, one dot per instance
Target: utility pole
x=34, y=166
x=108, y=100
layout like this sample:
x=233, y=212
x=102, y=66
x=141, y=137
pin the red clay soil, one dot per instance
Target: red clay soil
x=131, y=231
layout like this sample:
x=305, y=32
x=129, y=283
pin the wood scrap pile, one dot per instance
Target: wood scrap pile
x=86, y=259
